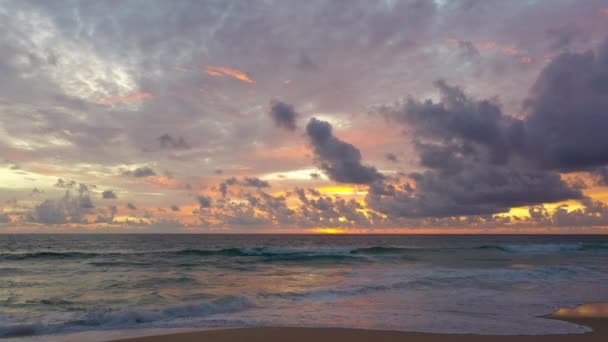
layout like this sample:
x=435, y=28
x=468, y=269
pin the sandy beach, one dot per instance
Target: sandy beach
x=355, y=335
x=280, y=334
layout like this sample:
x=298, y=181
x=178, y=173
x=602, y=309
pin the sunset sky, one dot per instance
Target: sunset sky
x=304, y=116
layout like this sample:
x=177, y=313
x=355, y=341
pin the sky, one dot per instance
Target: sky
x=422, y=116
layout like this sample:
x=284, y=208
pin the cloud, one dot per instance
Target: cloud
x=467, y=48
x=224, y=185
x=255, y=182
x=71, y=208
x=564, y=37
x=283, y=115
x=108, y=194
x=140, y=172
x=61, y=183
x=106, y=216
x=204, y=201
x=391, y=157
x=566, y=113
x=168, y=142
x=471, y=153
x=339, y=160
x=136, y=97
x=131, y=206
x=174, y=208
x=218, y=71
x=306, y=63
x=4, y=218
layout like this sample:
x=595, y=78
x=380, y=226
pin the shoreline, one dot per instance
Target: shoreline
x=599, y=326
x=293, y=334
x=593, y=316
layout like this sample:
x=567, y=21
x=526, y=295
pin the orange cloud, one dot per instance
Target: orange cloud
x=135, y=97
x=164, y=182
x=217, y=71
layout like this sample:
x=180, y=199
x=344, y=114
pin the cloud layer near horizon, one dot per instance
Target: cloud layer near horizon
x=231, y=115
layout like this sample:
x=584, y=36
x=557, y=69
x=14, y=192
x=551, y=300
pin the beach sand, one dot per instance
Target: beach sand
x=588, y=315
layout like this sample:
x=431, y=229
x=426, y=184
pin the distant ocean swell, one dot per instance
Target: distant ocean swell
x=341, y=252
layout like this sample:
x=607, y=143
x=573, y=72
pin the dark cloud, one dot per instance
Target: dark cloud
x=255, y=182
x=204, y=201
x=564, y=37
x=479, y=189
x=131, y=206
x=471, y=152
x=341, y=161
x=301, y=193
x=392, y=157
x=224, y=185
x=283, y=115
x=61, y=183
x=108, y=194
x=166, y=141
x=306, y=63
x=140, y=172
x=174, y=208
x=566, y=114
x=71, y=208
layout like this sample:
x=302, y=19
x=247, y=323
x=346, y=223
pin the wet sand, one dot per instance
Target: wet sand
x=588, y=315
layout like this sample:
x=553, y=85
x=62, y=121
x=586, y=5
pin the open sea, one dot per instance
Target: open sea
x=52, y=286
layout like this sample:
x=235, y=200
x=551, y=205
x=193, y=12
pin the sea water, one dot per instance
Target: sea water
x=53, y=285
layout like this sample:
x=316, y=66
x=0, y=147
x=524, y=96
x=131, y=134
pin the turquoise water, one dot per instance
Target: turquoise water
x=490, y=284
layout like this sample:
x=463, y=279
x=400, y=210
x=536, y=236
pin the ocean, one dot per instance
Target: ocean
x=55, y=285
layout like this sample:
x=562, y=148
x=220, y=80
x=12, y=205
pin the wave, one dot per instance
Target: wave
x=45, y=255
x=124, y=319
x=546, y=247
x=20, y=330
x=337, y=253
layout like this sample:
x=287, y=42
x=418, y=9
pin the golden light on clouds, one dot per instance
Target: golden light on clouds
x=135, y=97
x=164, y=182
x=218, y=71
x=341, y=190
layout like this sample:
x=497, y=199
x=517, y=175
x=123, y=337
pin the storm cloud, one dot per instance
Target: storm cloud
x=341, y=161
x=566, y=114
x=473, y=157
x=283, y=115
